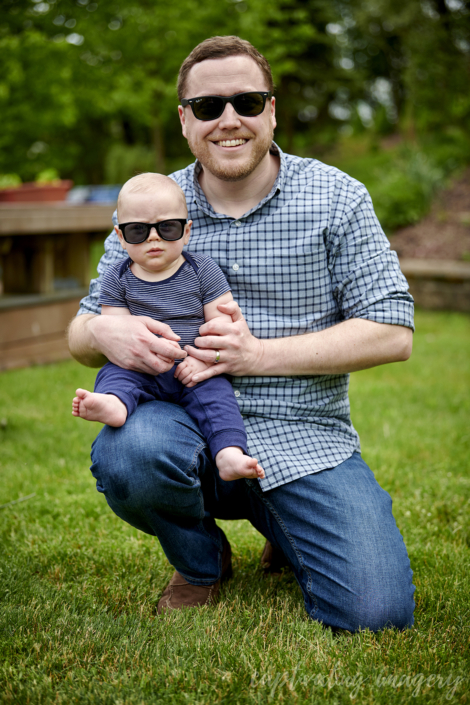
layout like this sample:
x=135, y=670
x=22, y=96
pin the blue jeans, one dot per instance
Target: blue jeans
x=335, y=527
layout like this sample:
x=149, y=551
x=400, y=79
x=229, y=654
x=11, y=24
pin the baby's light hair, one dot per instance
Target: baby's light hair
x=150, y=182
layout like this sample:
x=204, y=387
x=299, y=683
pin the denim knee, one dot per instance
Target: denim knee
x=337, y=530
x=154, y=460
x=384, y=606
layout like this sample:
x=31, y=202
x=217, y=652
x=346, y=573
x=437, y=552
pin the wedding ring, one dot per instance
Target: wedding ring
x=217, y=357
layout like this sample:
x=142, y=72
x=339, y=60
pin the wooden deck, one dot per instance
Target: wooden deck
x=45, y=265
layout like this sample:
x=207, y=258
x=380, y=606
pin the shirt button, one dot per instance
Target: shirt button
x=236, y=267
x=237, y=223
x=237, y=393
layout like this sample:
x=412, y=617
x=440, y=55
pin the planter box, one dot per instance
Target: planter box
x=32, y=192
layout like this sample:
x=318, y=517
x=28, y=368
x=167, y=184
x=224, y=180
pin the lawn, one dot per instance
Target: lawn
x=79, y=587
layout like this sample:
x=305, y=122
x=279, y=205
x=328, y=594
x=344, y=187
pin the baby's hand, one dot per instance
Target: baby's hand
x=188, y=368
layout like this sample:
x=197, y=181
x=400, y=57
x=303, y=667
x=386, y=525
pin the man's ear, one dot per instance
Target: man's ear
x=182, y=119
x=121, y=239
x=273, y=113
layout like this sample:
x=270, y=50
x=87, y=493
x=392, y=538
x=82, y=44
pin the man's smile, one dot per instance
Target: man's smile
x=231, y=143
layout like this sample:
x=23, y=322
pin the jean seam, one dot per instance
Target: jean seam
x=199, y=490
x=292, y=542
x=204, y=582
x=198, y=449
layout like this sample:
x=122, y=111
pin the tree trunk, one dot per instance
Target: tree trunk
x=159, y=148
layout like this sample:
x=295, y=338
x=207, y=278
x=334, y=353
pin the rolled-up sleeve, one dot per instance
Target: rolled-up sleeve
x=366, y=277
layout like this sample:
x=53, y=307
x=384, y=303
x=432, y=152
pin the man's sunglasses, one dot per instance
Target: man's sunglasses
x=211, y=107
x=170, y=230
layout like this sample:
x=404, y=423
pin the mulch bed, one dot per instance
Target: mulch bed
x=444, y=234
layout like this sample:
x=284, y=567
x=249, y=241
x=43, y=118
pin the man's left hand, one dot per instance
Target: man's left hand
x=239, y=351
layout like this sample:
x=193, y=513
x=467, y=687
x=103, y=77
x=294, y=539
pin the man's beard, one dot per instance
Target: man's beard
x=235, y=171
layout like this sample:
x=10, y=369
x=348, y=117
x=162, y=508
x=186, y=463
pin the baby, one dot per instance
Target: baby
x=159, y=280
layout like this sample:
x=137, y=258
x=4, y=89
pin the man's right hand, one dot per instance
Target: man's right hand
x=129, y=341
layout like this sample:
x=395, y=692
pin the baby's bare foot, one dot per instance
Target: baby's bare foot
x=105, y=408
x=233, y=464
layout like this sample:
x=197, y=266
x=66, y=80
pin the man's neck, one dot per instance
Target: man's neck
x=234, y=198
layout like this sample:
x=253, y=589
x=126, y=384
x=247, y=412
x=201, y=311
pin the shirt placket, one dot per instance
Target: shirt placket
x=236, y=258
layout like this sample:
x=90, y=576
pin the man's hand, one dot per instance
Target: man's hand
x=129, y=341
x=188, y=368
x=239, y=351
x=349, y=346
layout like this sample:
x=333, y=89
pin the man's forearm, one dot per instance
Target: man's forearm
x=81, y=342
x=353, y=345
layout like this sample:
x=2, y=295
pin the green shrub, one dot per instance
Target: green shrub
x=124, y=161
x=402, y=195
x=9, y=180
x=402, y=180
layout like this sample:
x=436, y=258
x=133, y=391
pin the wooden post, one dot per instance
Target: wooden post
x=42, y=266
x=78, y=257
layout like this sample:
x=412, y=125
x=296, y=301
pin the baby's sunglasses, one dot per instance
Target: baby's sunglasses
x=170, y=230
x=211, y=107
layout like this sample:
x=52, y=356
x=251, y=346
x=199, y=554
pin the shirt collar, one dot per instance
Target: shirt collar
x=200, y=197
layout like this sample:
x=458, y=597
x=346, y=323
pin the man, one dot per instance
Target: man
x=320, y=295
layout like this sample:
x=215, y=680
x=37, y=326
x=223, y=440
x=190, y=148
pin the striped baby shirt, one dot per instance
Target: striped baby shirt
x=177, y=301
x=310, y=255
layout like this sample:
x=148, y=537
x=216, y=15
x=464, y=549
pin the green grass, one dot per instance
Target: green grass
x=79, y=587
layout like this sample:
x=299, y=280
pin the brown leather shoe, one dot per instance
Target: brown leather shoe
x=273, y=559
x=179, y=593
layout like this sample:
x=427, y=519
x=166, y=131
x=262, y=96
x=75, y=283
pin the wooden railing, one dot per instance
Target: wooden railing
x=45, y=270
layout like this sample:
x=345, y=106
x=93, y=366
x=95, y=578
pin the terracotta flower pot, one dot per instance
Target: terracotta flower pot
x=33, y=192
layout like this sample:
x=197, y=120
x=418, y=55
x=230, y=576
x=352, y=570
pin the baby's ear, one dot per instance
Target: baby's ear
x=121, y=239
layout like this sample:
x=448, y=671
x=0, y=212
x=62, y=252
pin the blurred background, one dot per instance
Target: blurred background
x=379, y=88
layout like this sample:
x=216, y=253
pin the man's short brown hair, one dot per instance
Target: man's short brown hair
x=221, y=48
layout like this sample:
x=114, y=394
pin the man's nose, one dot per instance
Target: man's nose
x=229, y=118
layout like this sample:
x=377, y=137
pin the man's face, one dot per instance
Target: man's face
x=212, y=141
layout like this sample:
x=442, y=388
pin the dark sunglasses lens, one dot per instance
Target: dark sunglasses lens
x=207, y=108
x=135, y=233
x=249, y=104
x=170, y=230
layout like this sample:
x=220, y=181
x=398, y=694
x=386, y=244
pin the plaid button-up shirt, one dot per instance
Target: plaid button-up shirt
x=308, y=256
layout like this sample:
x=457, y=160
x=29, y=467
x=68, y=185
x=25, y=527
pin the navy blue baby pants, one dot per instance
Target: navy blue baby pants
x=211, y=403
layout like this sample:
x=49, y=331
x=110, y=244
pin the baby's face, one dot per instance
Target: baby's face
x=155, y=254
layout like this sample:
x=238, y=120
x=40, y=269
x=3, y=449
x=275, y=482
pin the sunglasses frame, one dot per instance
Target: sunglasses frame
x=149, y=226
x=226, y=99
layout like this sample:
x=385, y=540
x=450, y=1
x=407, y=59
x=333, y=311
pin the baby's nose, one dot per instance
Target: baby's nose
x=153, y=235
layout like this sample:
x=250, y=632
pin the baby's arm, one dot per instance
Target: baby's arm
x=114, y=311
x=191, y=365
x=211, y=311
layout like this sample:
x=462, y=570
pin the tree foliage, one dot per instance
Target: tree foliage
x=88, y=87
